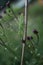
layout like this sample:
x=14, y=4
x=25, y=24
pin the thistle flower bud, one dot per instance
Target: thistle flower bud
x=8, y=4
x=35, y=32
x=29, y=38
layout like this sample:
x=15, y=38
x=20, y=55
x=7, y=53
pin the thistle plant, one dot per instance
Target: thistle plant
x=32, y=49
x=9, y=49
x=30, y=54
x=6, y=13
x=37, y=35
x=2, y=42
x=9, y=6
x=30, y=38
x=1, y=17
x=3, y=30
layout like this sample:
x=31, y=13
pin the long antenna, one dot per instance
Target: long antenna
x=25, y=34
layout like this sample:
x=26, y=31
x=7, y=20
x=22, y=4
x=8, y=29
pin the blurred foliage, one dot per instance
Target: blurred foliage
x=3, y=2
x=11, y=32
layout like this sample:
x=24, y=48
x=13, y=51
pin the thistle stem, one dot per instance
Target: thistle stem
x=14, y=13
x=3, y=30
x=25, y=34
x=37, y=39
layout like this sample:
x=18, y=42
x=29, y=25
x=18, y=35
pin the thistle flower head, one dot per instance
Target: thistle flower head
x=35, y=32
x=29, y=37
x=8, y=4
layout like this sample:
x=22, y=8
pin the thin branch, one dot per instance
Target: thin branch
x=9, y=6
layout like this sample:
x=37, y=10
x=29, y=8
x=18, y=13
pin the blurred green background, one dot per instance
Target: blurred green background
x=12, y=32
